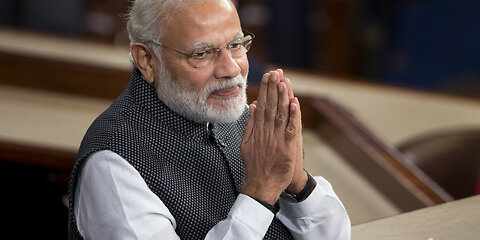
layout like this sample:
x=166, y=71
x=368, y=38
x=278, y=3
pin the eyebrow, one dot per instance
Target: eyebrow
x=204, y=45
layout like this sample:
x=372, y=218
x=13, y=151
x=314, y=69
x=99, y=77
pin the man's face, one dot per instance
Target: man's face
x=219, y=85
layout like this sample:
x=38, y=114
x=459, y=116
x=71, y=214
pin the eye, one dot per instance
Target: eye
x=235, y=45
x=203, y=53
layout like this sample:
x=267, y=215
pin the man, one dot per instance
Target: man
x=175, y=156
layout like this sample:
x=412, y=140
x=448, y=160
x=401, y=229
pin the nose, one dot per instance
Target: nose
x=225, y=65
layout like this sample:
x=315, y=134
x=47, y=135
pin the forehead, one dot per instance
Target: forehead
x=211, y=21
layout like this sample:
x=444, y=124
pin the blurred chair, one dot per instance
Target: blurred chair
x=452, y=159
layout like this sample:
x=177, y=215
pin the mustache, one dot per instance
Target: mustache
x=239, y=80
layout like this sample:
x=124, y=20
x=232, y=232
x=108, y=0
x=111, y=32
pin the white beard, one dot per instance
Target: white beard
x=192, y=104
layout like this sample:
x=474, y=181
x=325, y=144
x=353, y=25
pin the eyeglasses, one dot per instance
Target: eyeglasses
x=204, y=56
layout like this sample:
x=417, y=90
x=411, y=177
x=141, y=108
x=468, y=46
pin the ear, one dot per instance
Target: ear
x=145, y=61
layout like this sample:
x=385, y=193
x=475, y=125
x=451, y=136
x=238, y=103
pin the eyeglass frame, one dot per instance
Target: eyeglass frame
x=216, y=49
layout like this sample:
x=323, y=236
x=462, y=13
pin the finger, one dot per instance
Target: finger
x=295, y=101
x=261, y=100
x=294, y=124
x=280, y=74
x=286, y=81
x=250, y=124
x=282, y=107
x=272, y=98
x=299, y=151
x=300, y=138
x=299, y=119
x=291, y=129
x=281, y=77
x=289, y=87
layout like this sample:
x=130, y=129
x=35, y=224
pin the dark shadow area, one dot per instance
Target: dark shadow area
x=31, y=202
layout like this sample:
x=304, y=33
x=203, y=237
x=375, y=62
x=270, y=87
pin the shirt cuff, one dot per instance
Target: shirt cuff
x=252, y=214
x=309, y=205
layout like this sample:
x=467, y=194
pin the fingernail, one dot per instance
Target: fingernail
x=265, y=78
x=280, y=87
x=273, y=77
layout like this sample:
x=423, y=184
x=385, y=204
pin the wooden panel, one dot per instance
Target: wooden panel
x=386, y=168
x=455, y=220
x=26, y=154
x=62, y=76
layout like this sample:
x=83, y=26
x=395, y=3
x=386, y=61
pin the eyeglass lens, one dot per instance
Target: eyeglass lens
x=238, y=48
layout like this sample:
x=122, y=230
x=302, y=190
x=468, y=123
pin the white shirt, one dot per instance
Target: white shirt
x=112, y=201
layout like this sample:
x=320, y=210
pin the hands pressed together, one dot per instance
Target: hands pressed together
x=272, y=144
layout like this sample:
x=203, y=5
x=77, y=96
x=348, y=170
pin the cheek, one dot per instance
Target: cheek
x=187, y=78
x=243, y=64
x=196, y=80
x=184, y=75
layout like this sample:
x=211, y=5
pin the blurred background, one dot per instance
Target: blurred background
x=408, y=69
x=422, y=44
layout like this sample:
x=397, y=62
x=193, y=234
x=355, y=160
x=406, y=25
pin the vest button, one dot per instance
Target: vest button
x=220, y=141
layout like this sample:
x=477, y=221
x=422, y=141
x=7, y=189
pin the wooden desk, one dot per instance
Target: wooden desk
x=46, y=119
x=458, y=220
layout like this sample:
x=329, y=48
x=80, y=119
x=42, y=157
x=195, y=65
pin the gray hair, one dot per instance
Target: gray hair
x=147, y=18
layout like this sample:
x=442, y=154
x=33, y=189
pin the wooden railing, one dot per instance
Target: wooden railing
x=381, y=163
x=39, y=156
x=63, y=76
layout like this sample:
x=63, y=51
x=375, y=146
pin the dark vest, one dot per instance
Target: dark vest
x=196, y=171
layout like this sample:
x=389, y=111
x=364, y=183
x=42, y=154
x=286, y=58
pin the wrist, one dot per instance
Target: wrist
x=274, y=208
x=298, y=184
x=303, y=194
x=259, y=193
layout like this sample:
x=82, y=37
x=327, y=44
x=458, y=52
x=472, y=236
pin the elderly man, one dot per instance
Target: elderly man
x=179, y=154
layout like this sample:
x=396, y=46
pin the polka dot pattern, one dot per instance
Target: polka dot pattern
x=195, y=169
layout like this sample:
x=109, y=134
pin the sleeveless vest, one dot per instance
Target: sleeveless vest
x=195, y=170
